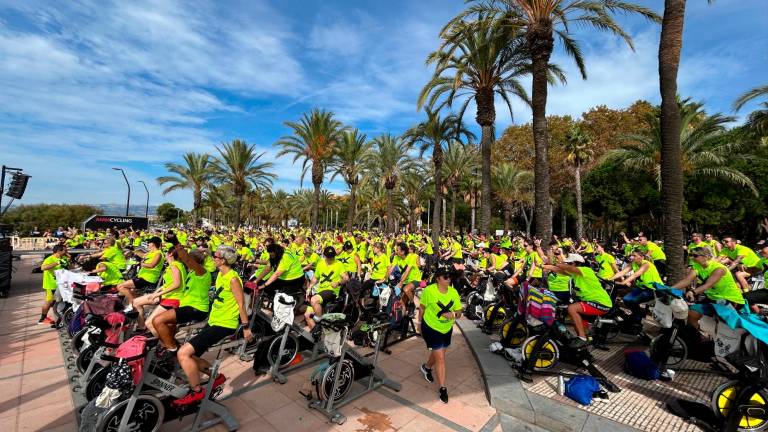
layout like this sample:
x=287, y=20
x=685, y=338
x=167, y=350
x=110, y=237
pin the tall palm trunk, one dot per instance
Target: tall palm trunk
x=238, y=208
x=196, y=201
x=317, y=182
x=486, y=117
x=563, y=220
x=507, y=214
x=352, y=204
x=671, y=154
x=453, y=209
x=541, y=45
x=390, y=210
x=437, y=159
x=579, y=216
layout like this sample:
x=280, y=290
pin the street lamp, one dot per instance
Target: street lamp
x=146, y=209
x=127, y=203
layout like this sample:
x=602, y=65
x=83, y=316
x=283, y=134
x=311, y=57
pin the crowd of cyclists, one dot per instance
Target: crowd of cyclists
x=176, y=270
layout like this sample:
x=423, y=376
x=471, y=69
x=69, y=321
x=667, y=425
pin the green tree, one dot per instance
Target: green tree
x=541, y=21
x=238, y=165
x=461, y=161
x=349, y=158
x=195, y=174
x=389, y=161
x=513, y=186
x=476, y=62
x=435, y=132
x=415, y=188
x=578, y=145
x=168, y=212
x=313, y=140
x=25, y=218
x=708, y=148
x=757, y=121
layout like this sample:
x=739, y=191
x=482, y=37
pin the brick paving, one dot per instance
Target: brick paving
x=640, y=403
x=36, y=394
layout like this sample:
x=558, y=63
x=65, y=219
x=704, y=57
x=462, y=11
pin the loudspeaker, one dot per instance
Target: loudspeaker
x=18, y=185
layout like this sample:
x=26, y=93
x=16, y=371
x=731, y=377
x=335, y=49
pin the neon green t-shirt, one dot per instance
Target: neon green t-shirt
x=588, y=288
x=177, y=293
x=328, y=274
x=111, y=275
x=152, y=274
x=435, y=303
x=606, y=262
x=290, y=266
x=114, y=255
x=726, y=288
x=49, y=278
x=380, y=265
x=647, y=279
x=412, y=261
x=196, y=291
x=225, y=311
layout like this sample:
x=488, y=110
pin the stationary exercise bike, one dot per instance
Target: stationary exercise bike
x=150, y=403
x=333, y=381
x=543, y=351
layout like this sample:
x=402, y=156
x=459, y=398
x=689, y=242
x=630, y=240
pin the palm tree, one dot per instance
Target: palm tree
x=313, y=140
x=540, y=21
x=415, y=188
x=757, y=120
x=671, y=170
x=512, y=186
x=215, y=199
x=300, y=204
x=708, y=148
x=238, y=165
x=435, y=132
x=578, y=145
x=277, y=207
x=475, y=62
x=195, y=174
x=389, y=160
x=377, y=199
x=461, y=160
x=349, y=157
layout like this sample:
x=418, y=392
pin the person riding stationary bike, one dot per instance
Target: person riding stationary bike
x=719, y=285
x=167, y=296
x=227, y=315
x=644, y=275
x=593, y=300
x=410, y=274
x=330, y=274
x=740, y=259
x=149, y=273
x=194, y=304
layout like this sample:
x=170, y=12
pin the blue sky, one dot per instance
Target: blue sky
x=85, y=86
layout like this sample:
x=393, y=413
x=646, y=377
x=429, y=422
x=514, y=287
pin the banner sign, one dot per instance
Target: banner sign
x=101, y=222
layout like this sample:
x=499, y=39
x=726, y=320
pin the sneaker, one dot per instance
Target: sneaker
x=48, y=321
x=219, y=381
x=444, y=395
x=128, y=309
x=191, y=398
x=578, y=343
x=427, y=373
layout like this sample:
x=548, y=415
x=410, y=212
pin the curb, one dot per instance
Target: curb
x=520, y=410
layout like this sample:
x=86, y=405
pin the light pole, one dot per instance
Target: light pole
x=178, y=212
x=127, y=203
x=146, y=209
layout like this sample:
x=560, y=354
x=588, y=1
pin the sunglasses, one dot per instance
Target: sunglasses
x=444, y=277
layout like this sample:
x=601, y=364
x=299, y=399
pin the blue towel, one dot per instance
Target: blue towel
x=744, y=319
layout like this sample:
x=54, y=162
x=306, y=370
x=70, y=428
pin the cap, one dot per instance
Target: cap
x=571, y=258
x=329, y=252
x=442, y=271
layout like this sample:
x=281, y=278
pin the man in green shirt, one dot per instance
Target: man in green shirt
x=50, y=264
x=742, y=259
x=593, y=299
x=719, y=285
x=329, y=275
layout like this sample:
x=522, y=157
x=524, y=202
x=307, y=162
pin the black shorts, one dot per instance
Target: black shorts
x=327, y=296
x=434, y=339
x=563, y=297
x=143, y=284
x=208, y=337
x=188, y=314
x=757, y=297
